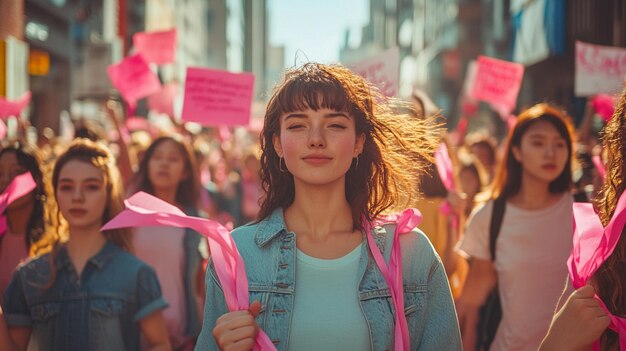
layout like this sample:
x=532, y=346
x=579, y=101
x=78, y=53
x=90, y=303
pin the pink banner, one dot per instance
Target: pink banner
x=14, y=107
x=19, y=186
x=599, y=69
x=163, y=101
x=134, y=79
x=498, y=82
x=382, y=70
x=218, y=98
x=156, y=47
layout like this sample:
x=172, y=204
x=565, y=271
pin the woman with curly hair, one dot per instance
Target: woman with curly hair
x=335, y=157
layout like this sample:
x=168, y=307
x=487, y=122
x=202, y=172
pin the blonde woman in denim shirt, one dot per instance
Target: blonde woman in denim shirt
x=333, y=152
x=89, y=293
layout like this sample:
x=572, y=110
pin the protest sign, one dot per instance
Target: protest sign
x=599, y=69
x=382, y=70
x=156, y=47
x=134, y=79
x=497, y=82
x=163, y=101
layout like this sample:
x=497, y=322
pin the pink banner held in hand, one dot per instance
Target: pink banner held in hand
x=592, y=245
x=14, y=107
x=134, y=79
x=146, y=210
x=408, y=220
x=156, y=47
x=19, y=186
x=497, y=82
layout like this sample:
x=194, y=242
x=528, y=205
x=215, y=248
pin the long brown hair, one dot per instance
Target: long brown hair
x=188, y=191
x=611, y=276
x=394, y=153
x=508, y=180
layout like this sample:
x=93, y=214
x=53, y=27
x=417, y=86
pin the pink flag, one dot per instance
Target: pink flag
x=216, y=98
x=14, y=107
x=156, y=47
x=405, y=222
x=592, y=245
x=163, y=101
x=146, y=210
x=19, y=186
x=134, y=79
x=498, y=82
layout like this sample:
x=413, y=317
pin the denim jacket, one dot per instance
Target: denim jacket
x=269, y=252
x=99, y=310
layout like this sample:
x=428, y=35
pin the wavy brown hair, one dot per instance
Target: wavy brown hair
x=611, y=276
x=508, y=180
x=395, y=151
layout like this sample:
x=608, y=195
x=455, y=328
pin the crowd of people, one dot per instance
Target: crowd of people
x=308, y=200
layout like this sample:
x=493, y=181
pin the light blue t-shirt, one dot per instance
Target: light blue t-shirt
x=326, y=311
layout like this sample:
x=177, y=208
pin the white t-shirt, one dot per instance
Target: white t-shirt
x=531, y=262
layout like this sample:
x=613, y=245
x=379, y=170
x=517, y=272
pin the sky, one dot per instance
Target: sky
x=314, y=30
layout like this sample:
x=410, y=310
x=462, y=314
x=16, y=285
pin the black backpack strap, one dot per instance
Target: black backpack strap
x=497, y=215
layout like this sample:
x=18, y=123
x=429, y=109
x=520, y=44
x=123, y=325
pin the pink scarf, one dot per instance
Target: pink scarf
x=20, y=186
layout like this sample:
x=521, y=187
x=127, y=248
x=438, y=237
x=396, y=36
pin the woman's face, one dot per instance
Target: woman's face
x=318, y=146
x=166, y=166
x=9, y=169
x=543, y=152
x=470, y=183
x=81, y=194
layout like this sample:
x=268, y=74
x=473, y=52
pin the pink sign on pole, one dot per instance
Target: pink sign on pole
x=498, y=82
x=217, y=98
x=134, y=79
x=163, y=101
x=599, y=69
x=382, y=70
x=14, y=107
x=156, y=47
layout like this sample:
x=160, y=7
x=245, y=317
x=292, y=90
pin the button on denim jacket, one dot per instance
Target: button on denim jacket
x=98, y=311
x=269, y=253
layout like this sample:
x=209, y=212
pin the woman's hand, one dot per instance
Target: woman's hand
x=578, y=324
x=236, y=331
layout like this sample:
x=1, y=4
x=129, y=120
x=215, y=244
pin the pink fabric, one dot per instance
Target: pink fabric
x=604, y=105
x=146, y=210
x=444, y=168
x=20, y=186
x=597, y=162
x=405, y=222
x=14, y=107
x=593, y=244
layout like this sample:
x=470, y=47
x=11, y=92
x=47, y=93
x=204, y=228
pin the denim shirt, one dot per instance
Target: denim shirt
x=99, y=310
x=269, y=253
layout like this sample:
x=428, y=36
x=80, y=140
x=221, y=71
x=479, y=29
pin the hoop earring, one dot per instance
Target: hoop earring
x=280, y=165
x=356, y=160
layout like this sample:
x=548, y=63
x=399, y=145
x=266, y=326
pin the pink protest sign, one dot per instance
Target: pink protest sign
x=134, y=79
x=143, y=209
x=163, y=101
x=592, y=245
x=382, y=70
x=497, y=82
x=156, y=47
x=19, y=186
x=14, y=107
x=599, y=69
x=217, y=98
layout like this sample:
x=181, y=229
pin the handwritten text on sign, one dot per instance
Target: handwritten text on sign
x=599, y=69
x=498, y=82
x=381, y=70
x=216, y=98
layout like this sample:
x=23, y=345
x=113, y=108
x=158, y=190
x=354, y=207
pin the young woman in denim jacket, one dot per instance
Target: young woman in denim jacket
x=168, y=171
x=89, y=292
x=333, y=153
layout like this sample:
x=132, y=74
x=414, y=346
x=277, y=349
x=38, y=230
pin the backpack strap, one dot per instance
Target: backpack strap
x=497, y=215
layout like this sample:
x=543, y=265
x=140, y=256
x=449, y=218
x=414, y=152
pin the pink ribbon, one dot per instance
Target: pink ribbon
x=597, y=162
x=19, y=186
x=592, y=245
x=444, y=168
x=405, y=222
x=146, y=210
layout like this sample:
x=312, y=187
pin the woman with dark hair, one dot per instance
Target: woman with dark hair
x=25, y=216
x=89, y=292
x=581, y=321
x=527, y=261
x=335, y=157
x=168, y=171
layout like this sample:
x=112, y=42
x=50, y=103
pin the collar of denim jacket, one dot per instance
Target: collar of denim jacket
x=99, y=260
x=270, y=227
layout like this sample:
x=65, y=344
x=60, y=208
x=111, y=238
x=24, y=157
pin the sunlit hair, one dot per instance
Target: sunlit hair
x=188, y=191
x=508, y=180
x=29, y=158
x=394, y=153
x=611, y=276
